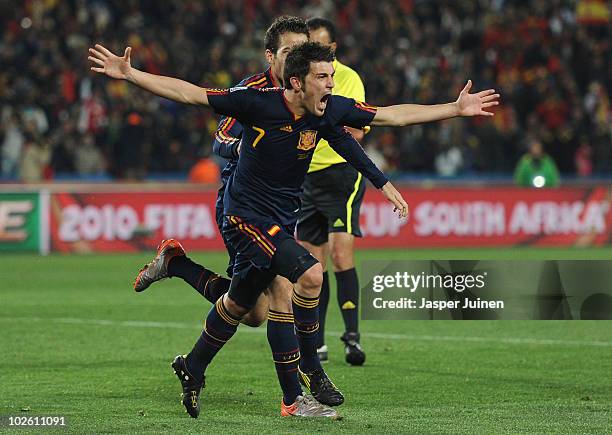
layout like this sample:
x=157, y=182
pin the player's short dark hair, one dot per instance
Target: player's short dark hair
x=280, y=26
x=299, y=58
x=318, y=22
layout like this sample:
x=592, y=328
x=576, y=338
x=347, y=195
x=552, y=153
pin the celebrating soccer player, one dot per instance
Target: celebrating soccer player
x=261, y=200
x=170, y=259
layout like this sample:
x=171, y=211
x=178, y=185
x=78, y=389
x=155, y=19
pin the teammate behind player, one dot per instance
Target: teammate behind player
x=329, y=219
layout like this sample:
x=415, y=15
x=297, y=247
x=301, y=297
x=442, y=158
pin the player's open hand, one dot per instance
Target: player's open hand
x=109, y=63
x=391, y=193
x=474, y=104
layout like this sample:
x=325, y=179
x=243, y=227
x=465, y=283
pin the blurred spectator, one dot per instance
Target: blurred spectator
x=583, y=160
x=12, y=143
x=551, y=62
x=449, y=162
x=536, y=168
x=92, y=117
x=88, y=158
x=205, y=171
x=129, y=155
x=34, y=160
x=376, y=156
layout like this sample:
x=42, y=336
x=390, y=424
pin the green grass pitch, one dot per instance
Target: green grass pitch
x=77, y=341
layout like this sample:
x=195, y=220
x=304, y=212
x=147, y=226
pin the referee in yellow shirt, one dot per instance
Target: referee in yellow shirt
x=329, y=217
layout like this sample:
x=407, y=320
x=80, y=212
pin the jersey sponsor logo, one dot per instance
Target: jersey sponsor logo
x=338, y=223
x=308, y=140
x=287, y=128
x=238, y=88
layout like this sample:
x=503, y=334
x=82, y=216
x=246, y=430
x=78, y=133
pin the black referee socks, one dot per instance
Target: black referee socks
x=348, y=298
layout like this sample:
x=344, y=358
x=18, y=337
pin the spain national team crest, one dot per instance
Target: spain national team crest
x=308, y=140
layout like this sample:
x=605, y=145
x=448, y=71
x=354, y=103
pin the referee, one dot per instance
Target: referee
x=329, y=217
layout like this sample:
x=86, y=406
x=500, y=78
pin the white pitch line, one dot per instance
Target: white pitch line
x=379, y=335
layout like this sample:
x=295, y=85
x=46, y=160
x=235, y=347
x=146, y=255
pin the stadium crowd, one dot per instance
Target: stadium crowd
x=549, y=59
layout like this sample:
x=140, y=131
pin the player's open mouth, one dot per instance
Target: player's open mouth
x=323, y=101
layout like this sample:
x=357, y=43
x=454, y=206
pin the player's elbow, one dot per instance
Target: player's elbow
x=389, y=122
x=399, y=120
x=191, y=99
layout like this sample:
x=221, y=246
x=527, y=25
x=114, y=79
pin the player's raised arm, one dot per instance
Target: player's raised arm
x=466, y=105
x=168, y=87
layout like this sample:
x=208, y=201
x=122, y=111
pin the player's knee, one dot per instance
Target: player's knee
x=279, y=294
x=312, y=280
x=280, y=287
x=235, y=310
x=323, y=262
x=318, y=251
x=255, y=319
x=258, y=314
x=342, y=258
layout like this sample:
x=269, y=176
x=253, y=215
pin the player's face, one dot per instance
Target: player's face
x=318, y=87
x=286, y=42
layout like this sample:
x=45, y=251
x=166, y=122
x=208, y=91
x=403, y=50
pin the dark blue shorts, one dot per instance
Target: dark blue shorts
x=254, y=241
x=263, y=250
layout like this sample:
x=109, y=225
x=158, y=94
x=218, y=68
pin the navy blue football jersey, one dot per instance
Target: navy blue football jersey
x=277, y=146
x=229, y=130
x=228, y=135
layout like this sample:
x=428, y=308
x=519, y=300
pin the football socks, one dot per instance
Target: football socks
x=285, y=353
x=306, y=314
x=219, y=327
x=348, y=298
x=207, y=283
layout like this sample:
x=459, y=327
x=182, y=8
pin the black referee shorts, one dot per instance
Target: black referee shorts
x=330, y=203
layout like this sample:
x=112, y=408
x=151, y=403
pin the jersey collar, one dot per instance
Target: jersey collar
x=286, y=103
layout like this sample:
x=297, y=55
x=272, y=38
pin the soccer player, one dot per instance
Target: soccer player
x=262, y=196
x=329, y=219
x=171, y=260
x=280, y=37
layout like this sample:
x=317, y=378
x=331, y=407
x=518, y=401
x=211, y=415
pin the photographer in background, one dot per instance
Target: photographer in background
x=536, y=168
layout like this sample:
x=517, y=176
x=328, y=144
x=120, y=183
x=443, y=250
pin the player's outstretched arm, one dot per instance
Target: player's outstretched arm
x=168, y=87
x=466, y=105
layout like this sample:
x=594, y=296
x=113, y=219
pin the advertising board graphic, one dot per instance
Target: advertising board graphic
x=20, y=222
x=134, y=221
